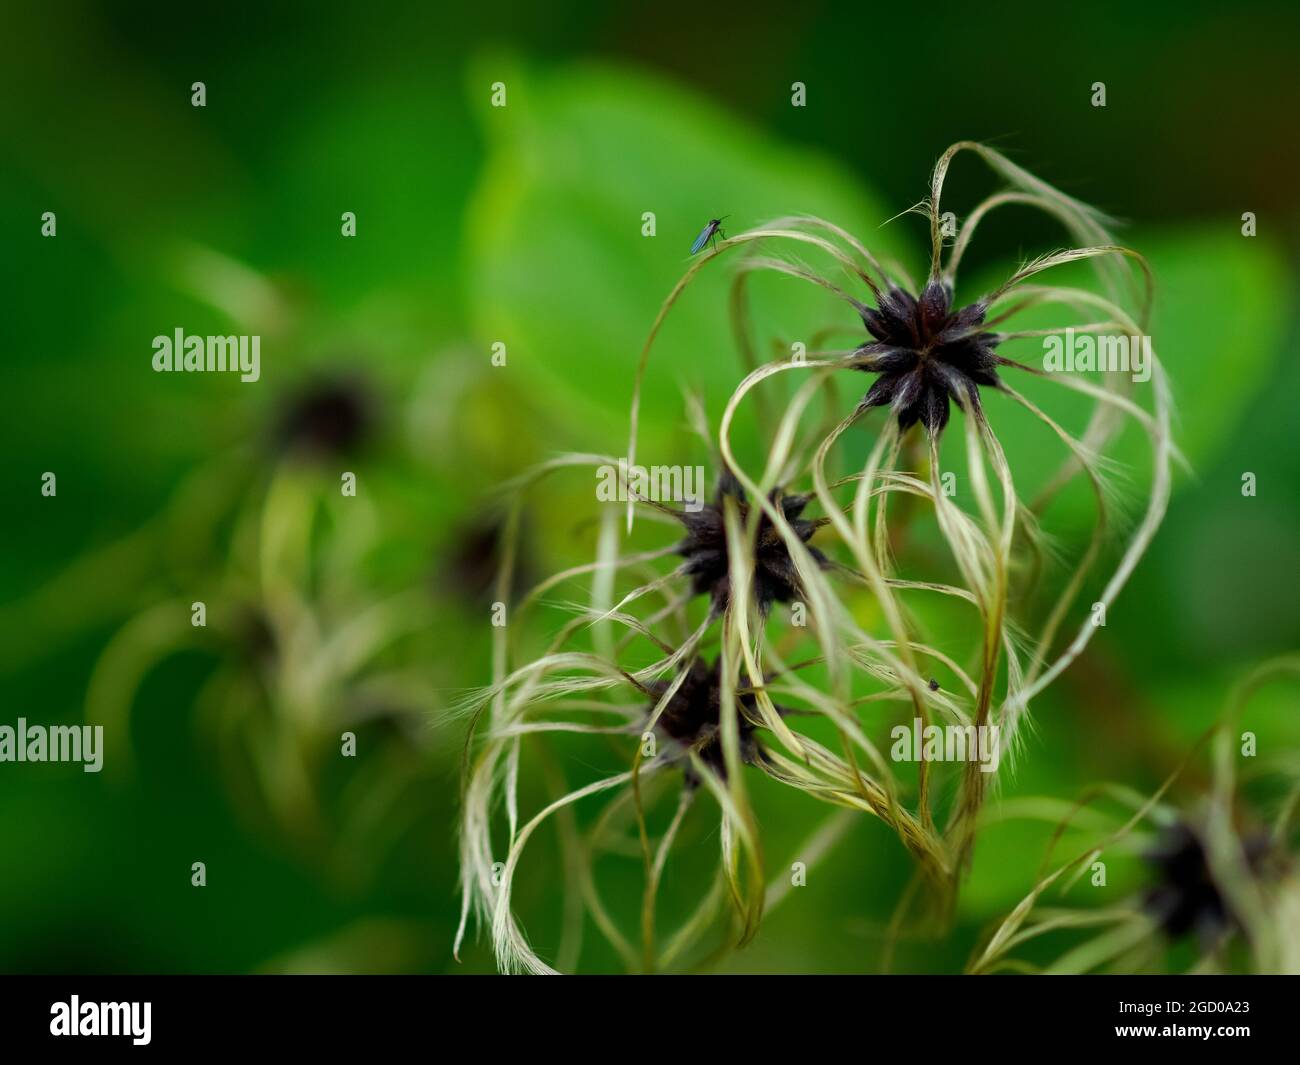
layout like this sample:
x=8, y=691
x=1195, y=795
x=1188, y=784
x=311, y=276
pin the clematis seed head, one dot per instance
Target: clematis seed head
x=705, y=548
x=926, y=354
x=692, y=718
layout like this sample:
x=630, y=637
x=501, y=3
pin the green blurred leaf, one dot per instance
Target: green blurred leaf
x=1220, y=313
x=1218, y=322
x=559, y=269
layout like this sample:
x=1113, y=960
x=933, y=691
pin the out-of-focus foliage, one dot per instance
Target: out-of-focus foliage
x=523, y=225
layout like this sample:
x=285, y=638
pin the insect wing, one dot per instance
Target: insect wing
x=703, y=238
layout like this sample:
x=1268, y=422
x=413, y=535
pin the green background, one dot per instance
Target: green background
x=523, y=224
